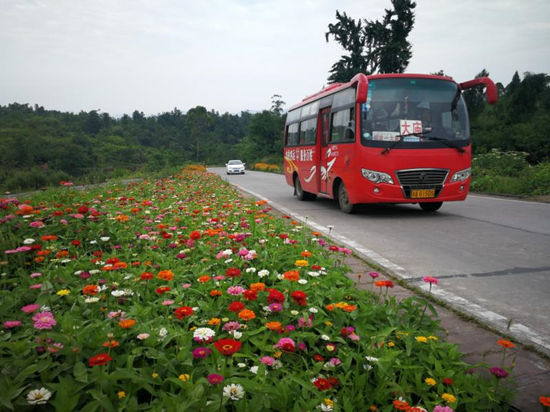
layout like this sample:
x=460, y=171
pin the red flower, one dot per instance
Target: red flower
x=318, y=358
x=76, y=243
x=163, y=289
x=322, y=384
x=299, y=297
x=275, y=296
x=236, y=307
x=183, y=312
x=334, y=382
x=99, y=360
x=447, y=381
x=146, y=276
x=316, y=267
x=83, y=209
x=227, y=347
x=195, y=235
x=545, y=400
x=250, y=295
x=232, y=272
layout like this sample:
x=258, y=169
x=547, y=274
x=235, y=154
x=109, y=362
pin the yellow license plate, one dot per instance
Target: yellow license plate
x=422, y=193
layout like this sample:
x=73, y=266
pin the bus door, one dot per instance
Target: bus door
x=324, y=118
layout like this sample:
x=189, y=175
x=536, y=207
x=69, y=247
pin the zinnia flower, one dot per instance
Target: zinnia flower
x=299, y=297
x=99, y=360
x=232, y=272
x=201, y=353
x=44, y=320
x=227, y=347
x=448, y=398
x=126, y=324
x=506, y=344
x=430, y=279
x=233, y=391
x=183, y=312
x=286, y=344
x=214, y=379
x=30, y=308
x=39, y=396
x=203, y=334
x=499, y=372
x=247, y=315
x=12, y=324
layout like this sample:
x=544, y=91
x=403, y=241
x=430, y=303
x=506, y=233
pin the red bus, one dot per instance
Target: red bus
x=387, y=138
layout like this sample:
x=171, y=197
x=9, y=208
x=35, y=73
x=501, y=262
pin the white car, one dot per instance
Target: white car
x=234, y=167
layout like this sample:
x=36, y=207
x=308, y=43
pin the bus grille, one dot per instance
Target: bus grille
x=422, y=179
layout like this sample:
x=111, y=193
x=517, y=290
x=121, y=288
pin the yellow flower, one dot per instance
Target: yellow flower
x=328, y=402
x=430, y=381
x=184, y=377
x=448, y=397
x=63, y=292
x=328, y=323
x=192, y=328
x=432, y=337
x=391, y=344
x=278, y=354
x=154, y=375
x=301, y=263
x=121, y=394
x=422, y=339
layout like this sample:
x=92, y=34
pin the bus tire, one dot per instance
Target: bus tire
x=431, y=206
x=301, y=194
x=343, y=200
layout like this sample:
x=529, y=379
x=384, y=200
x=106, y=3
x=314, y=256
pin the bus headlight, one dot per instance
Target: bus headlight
x=461, y=176
x=376, y=177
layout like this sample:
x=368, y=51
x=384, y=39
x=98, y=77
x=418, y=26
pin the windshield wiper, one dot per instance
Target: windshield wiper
x=401, y=137
x=446, y=142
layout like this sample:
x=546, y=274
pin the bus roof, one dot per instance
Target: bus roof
x=362, y=78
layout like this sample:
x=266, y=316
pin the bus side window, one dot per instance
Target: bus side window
x=292, y=135
x=342, y=129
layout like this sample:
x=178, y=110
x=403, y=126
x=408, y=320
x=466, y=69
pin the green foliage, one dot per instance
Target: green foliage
x=373, y=46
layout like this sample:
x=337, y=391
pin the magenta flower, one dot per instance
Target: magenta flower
x=430, y=280
x=439, y=408
x=276, y=307
x=35, y=275
x=235, y=290
x=499, y=372
x=30, y=308
x=286, y=344
x=12, y=324
x=201, y=353
x=214, y=379
x=167, y=303
x=44, y=320
x=231, y=326
x=373, y=275
x=37, y=286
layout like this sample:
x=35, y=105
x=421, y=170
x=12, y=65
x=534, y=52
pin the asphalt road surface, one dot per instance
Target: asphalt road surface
x=491, y=255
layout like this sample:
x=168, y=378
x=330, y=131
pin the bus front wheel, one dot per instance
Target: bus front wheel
x=430, y=207
x=301, y=194
x=343, y=199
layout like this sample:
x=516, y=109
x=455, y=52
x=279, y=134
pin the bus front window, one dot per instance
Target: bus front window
x=403, y=106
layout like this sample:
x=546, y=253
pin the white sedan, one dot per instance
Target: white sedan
x=234, y=167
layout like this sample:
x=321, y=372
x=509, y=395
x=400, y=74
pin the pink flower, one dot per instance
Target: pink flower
x=214, y=379
x=12, y=324
x=36, y=224
x=439, y=408
x=267, y=360
x=186, y=285
x=429, y=279
x=373, y=275
x=30, y=308
x=44, y=320
x=35, y=275
x=37, y=286
x=286, y=344
x=235, y=290
x=167, y=303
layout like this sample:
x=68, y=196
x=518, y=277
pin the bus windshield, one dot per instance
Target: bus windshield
x=397, y=108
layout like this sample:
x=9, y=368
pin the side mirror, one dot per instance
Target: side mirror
x=491, y=90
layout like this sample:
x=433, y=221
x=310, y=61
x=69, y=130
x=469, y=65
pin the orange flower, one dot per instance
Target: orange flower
x=62, y=254
x=122, y=218
x=306, y=254
x=166, y=275
x=126, y=324
x=330, y=308
x=111, y=344
x=545, y=400
x=204, y=278
x=506, y=344
x=274, y=326
x=400, y=405
x=257, y=287
x=39, y=259
x=48, y=237
x=247, y=314
x=301, y=263
x=43, y=252
x=215, y=292
x=291, y=275
x=214, y=321
x=90, y=290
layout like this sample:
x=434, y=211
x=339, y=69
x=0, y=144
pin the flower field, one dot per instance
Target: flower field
x=182, y=295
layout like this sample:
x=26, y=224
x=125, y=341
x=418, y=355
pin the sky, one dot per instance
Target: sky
x=118, y=56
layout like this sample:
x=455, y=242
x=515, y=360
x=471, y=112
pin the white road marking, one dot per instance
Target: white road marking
x=507, y=200
x=519, y=332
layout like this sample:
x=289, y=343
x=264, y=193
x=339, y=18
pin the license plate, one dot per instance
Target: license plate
x=422, y=193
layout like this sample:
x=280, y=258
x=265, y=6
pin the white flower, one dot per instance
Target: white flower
x=93, y=242
x=241, y=365
x=105, y=238
x=91, y=300
x=65, y=260
x=254, y=370
x=94, y=271
x=277, y=364
x=313, y=310
x=45, y=308
x=203, y=334
x=227, y=252
x=229, y=261
x=325, y=337
x=266, y=309
x=302, y=281
x=280, y=276
x=163, y=333
x=325, y=408
x=367, y=367
x=313, y=274
x=117, y=293
x=250, y=270
x=233, y=391
x=236, y=334
x=371, y=359
x=28, y=241
x=143, y=336
x=262, y=273
x=39, y=396
x=78, y=272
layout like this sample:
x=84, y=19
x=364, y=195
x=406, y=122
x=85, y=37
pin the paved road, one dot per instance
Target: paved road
x=491, y=255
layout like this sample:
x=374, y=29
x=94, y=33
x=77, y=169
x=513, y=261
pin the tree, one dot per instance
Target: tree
x=277, y=104
x=92, y=125
x=475, y=97
x=198, y=122
x=373, y=46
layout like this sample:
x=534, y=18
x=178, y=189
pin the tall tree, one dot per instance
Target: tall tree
x=277, y=104
x=373, y=46
x=475, y=97
x=198, y=122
